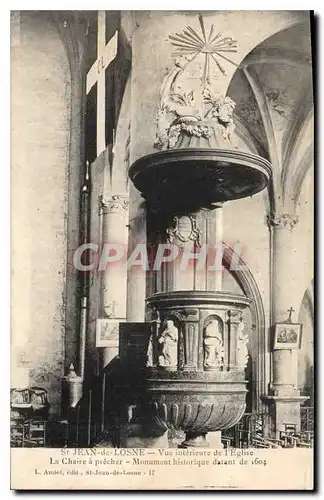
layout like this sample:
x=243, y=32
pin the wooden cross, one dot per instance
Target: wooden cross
x=105, y=55
x=290, y=311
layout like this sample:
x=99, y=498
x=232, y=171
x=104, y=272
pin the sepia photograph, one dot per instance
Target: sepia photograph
x=162, y=249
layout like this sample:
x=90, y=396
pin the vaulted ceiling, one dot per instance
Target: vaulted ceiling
x=273, y=91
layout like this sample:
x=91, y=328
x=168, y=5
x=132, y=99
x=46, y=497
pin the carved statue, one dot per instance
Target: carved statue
x=213, y=345
x=190, y=105
x=168, y=340
x=150, y=353
x=221, y=108
x=175, y=102
x=205, y=115
x=242, y=350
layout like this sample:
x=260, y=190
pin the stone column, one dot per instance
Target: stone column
x=114, y=212
x=285, y=397
x=136, y=274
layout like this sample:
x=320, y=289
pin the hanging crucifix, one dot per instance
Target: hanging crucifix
x=106, y=53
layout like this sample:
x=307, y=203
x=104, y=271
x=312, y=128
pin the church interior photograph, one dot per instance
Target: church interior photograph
x=162, y=229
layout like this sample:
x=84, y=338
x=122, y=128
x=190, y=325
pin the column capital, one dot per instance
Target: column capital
x=116, y=203
x=282, y=220
x=234, y=316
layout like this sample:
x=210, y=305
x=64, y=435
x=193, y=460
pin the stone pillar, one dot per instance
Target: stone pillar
x=114, y=212
x=136, y=274
x=285, y=397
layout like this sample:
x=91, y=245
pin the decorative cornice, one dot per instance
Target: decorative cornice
x=284, y=220
x=154, y=176
x=117, y=203
x=197, y=299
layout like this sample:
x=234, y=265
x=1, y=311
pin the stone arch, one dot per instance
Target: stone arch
x=260, y=370
x=284, y=182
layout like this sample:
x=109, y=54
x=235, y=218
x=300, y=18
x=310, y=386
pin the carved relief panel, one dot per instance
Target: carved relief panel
x=183, y=229
x=175, y=340
x=192, y=111
x=199, y=339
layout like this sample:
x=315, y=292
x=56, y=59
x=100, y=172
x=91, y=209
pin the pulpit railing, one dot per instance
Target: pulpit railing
x=307, y=419
x=253, y=431
x=307, y=425
x=249, y=432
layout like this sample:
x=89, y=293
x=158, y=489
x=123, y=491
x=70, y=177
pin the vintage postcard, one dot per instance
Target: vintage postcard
x=162, y=250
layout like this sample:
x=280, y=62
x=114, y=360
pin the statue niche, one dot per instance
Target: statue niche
x=168, y=345
x=213, y=344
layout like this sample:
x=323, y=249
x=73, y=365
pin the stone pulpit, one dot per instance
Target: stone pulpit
x=194, y=379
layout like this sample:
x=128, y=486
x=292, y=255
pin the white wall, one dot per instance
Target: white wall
x=40, y=154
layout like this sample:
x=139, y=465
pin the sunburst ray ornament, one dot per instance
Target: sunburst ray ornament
x=213, y=46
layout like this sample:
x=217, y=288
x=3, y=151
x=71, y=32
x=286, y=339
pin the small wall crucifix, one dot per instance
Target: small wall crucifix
x=290, y=311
